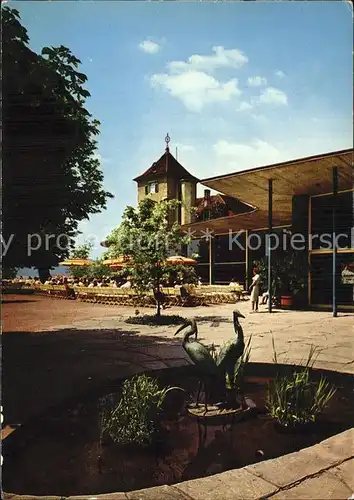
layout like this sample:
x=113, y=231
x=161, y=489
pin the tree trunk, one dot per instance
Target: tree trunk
x=158, y=309
x=43, y=273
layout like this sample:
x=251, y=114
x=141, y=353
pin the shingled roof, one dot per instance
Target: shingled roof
x=166, y=165
x=221, y=202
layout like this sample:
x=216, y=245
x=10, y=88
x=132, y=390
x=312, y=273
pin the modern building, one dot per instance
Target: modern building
x=292, y=200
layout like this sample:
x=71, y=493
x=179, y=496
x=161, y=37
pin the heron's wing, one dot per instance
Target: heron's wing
x=224, y=350
x=202, y=358
x=237, y=365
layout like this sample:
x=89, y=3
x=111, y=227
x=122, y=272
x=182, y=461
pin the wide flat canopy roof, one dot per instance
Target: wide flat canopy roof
x=311, y=176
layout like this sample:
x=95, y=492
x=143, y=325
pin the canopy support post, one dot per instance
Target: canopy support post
x=270, y=227
x=334, y=242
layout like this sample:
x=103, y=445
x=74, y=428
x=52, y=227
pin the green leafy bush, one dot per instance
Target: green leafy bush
x=296, y=399
x=133, y=418
x=154, y=320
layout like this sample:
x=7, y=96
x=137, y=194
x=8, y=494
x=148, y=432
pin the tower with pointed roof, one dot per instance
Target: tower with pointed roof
x=167, y=179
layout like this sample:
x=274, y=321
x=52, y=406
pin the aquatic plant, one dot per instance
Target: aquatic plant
x=133, y=418
x=295, y=399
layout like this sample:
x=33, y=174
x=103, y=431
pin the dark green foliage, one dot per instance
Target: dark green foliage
x=153, y=320
x=51, y=178
x=9, y=273
x=82, y=251
x=181, y=274
x=96, y=270
x=289, y=272
x=147, y=238
x=296, y=399
x=134, y=417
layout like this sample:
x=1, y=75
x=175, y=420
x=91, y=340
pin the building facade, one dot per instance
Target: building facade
x=167, y=179
x=230, y=230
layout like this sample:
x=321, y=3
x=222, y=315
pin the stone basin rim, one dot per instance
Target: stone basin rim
x=245, y=472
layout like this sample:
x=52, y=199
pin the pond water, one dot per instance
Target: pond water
x=58, y=454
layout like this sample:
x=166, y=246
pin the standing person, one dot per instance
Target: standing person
x=69, y=290
x=255, y=289
x=127, y=284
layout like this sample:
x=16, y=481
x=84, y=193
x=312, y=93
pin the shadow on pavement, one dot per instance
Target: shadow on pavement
x=18, y=301
x=44, y=368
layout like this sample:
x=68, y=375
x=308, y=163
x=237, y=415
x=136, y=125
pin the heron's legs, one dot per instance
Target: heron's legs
x=205, y=396
x=199, y=434
x=205, y=431
x=198, y=393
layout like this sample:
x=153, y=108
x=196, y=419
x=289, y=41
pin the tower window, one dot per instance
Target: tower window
x=152, y=188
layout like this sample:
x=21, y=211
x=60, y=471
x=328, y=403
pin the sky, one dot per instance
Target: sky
x=235, y=84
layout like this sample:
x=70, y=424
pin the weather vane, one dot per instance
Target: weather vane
x=167, y=140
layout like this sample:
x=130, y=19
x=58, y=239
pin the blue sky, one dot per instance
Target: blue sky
x=236, y=84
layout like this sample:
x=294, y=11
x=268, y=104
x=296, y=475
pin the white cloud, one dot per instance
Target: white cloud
x=259, y=118
x=222, y=58
x=191, y=82
x=195, y=88
x=270, y=95
x=243, y=155
x=185, y=147
x=244, y=106
x=257, y=81
x=279, y=73
x=149, y=46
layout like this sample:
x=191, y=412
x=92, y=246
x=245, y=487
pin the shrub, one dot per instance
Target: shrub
x=154, y=320
x=295, y=399
x=132, y=419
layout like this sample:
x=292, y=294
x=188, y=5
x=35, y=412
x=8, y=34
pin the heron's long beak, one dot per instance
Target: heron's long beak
x=181, y=328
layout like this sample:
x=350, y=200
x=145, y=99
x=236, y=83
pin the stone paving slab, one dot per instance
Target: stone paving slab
x=231, y=485
x=294, y=331
x=245, y=485
x=345, y=472
x=305, y=480
x=306, y=462
x=326, y=486
x=87, y=350
x=108, y=496
x=158, y=493
x=340, y=445
x=12, y=496
x=207, y=488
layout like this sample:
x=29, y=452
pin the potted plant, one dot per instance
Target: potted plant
x=289, y=278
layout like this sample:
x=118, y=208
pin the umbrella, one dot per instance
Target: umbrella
x=180, y=260
x=76, y=262
x=105, y=243
x=117, y=263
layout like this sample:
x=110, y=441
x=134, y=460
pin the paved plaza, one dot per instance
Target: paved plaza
x=54, y=349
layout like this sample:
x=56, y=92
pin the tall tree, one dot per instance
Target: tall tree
x=96, y=269
x=146, y=238
x=82, y=251
x=51, y=178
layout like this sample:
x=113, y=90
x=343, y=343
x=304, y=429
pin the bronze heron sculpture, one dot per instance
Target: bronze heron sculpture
x=201, y=357
x=231, y=352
